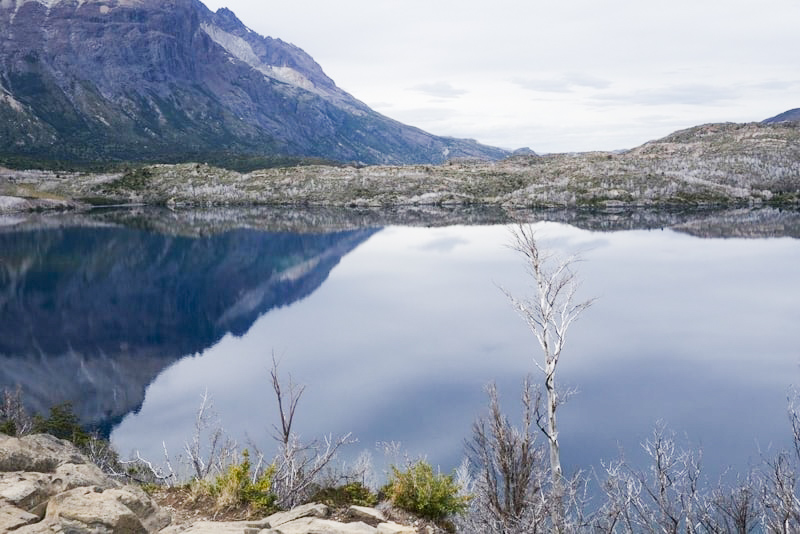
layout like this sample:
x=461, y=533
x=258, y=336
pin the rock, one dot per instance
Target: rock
x=24, y=490
x=72, y=475
x=34, y=468
x=39, y=453
x=12, y=518
x=47, y=485
x=146, y=510
x=394, y=528
x=28, y=490
x=213, y=527
x=307, y=510
x=302, y=525
x=365, y=512
x=313, y=525
x=91, y=509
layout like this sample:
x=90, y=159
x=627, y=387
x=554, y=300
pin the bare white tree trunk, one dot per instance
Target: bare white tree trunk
x=549, y=314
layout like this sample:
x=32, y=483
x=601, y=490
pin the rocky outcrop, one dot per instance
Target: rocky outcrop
x=47, y=486
x=307, y=519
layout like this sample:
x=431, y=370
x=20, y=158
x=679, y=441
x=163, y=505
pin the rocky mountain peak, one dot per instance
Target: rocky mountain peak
x=171, y=80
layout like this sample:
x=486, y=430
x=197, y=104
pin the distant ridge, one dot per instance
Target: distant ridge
x=169, y=80
x=791, y=115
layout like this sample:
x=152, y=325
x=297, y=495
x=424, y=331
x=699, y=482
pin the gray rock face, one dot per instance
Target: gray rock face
x=171, y=80
x=46, y=485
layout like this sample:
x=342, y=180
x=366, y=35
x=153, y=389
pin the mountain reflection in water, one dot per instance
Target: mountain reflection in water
x=396, y=332
x=92, y=314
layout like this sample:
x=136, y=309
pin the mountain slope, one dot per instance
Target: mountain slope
x=791, y=115
x=88, y=80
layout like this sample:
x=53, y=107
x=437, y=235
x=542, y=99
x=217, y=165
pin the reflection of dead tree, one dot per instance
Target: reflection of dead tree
x=298, y=464
x=549, y=314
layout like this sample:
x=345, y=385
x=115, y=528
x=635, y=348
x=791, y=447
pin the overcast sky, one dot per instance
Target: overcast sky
x=552, y=75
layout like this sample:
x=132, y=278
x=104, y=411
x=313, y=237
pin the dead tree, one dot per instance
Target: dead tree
x=507, y=491
x=14, y=419
x=549, y=314
x=298, y=465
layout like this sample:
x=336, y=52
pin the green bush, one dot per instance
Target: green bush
x=418, y=490
x=235, y=487
x=8, y=428
x=348, y=494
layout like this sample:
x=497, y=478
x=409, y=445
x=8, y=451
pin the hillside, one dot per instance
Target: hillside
x=88, y=81
x=713, y=164
x=791, y=115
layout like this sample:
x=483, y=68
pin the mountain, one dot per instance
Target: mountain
x=791, y=115
x=169, y=80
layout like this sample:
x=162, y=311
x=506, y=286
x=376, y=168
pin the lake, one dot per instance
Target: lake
x=395, y=330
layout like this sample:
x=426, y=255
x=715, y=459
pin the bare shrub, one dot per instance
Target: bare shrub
x=735, y=509
x=14, y=419
x=209, y=450
x=298, y=465
x=509, y=472
x=666, y=497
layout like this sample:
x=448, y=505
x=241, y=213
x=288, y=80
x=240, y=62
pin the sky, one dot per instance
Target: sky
x=554, y=76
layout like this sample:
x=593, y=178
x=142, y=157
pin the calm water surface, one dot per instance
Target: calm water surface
x=395, y=332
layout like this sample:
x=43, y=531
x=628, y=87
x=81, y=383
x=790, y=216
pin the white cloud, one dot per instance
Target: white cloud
x=555, y=76
x=443, y=90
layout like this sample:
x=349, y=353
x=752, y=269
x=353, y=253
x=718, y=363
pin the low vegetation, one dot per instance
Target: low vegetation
x=716, y=164
x=418, y=489
x=239, y=487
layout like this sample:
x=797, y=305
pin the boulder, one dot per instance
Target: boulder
x=213, y=527
x=314, y=525
x=306, y=510
x=366, y=513
x=39, y=453
x=27, y=490
x=394, y=528
x=47, y=485
x=93, y=510
x=12, y=518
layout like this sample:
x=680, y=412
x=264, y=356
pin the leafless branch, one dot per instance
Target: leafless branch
x=298, y=464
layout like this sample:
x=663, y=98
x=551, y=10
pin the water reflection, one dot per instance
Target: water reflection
x=400, y=340
x=395, y=332
x=92, y=314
